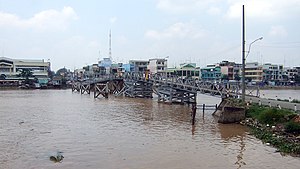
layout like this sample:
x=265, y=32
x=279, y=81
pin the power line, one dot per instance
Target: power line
x=280, y=46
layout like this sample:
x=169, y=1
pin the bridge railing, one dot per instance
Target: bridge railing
x=222, y=89
x=214, y=88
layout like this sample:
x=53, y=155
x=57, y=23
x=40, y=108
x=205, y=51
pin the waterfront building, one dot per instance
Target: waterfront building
x=79, y=74
x=127, y=67
x=157, y=66
x=211, y=73
x=11, y=68
x=138, y=65
x=273, y=74
x=253, y=72
x=227, y=69
x=117, y=69
x=237, y=71
x=105, y=66
x=290, y=73
x=185, y=70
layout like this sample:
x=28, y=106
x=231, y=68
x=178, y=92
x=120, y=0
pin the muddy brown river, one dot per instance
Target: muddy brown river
x=122, y=133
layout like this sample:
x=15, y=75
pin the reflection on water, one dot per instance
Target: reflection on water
x=122, y=133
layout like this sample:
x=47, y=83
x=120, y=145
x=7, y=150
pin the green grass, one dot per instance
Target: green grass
x=295, y=101
x=283, y=100
x=279, y=142
x=273, y=116
x=292, y=127
x=266, y=115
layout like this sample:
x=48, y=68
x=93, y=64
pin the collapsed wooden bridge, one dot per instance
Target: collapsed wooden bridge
x=169, y=89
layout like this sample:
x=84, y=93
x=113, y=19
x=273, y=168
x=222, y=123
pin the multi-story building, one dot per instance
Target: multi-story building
x=211, y=73
x=237, y=71
x=185, y=70
x=117, y=69
x=227, y=69
x=11, y=68
x=105, y=66
x=157, y=66
x=291, y=73
x=138, y=65
x=272, y=73
x=253, y=72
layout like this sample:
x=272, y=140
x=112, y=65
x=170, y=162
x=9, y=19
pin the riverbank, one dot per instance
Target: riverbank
x=280, y=87
x=33, y=88
x=277, y=127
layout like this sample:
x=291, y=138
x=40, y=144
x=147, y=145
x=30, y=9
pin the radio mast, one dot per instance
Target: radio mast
x=109, y=54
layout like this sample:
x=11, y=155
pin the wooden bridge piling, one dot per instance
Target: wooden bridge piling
x=85, y=88
x=101, y=89
x=194, y=109
x=76, y=87
x=138, y=88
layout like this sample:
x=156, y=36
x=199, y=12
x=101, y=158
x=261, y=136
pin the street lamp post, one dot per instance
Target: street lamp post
x=243, y=55
x=251, y=44
x=244, y=65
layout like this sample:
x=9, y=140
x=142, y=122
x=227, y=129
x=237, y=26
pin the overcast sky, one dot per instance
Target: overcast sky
x=74, y=33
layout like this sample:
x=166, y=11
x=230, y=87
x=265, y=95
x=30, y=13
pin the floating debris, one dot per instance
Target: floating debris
x=57, y=158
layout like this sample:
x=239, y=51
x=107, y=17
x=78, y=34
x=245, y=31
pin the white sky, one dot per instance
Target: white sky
x=75, y=33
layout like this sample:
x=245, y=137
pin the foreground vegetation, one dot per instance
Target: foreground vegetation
x=277, y=127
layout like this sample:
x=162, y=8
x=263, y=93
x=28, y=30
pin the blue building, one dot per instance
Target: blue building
x=105, y=65
x=211, y=73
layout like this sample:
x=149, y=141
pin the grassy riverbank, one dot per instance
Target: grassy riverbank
x=277, y=127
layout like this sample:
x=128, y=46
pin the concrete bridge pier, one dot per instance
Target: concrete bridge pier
x=227, y=112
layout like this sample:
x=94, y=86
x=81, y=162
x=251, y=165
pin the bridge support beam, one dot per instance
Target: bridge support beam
x=169, y=94
x=115, y=87
x=75, y=87
x=138, y=88
x=85, y=88
x=101, y=89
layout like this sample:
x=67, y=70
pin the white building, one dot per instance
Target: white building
x=138, y=65
x=157, y=66
x=12, y=67
x=272, y=72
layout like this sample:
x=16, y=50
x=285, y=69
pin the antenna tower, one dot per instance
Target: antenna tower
x=110, y=45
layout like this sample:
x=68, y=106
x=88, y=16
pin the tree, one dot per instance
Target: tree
x=237, y=77
x=225, y=77
x=26, y=73
x=2, y=76
x=62, y=72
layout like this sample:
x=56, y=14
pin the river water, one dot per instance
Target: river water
x=122, y=133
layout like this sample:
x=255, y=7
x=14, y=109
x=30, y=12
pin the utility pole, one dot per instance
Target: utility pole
x=243, y=57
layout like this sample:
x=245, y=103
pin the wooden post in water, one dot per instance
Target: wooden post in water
x=193, y=113
x=203, y=107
